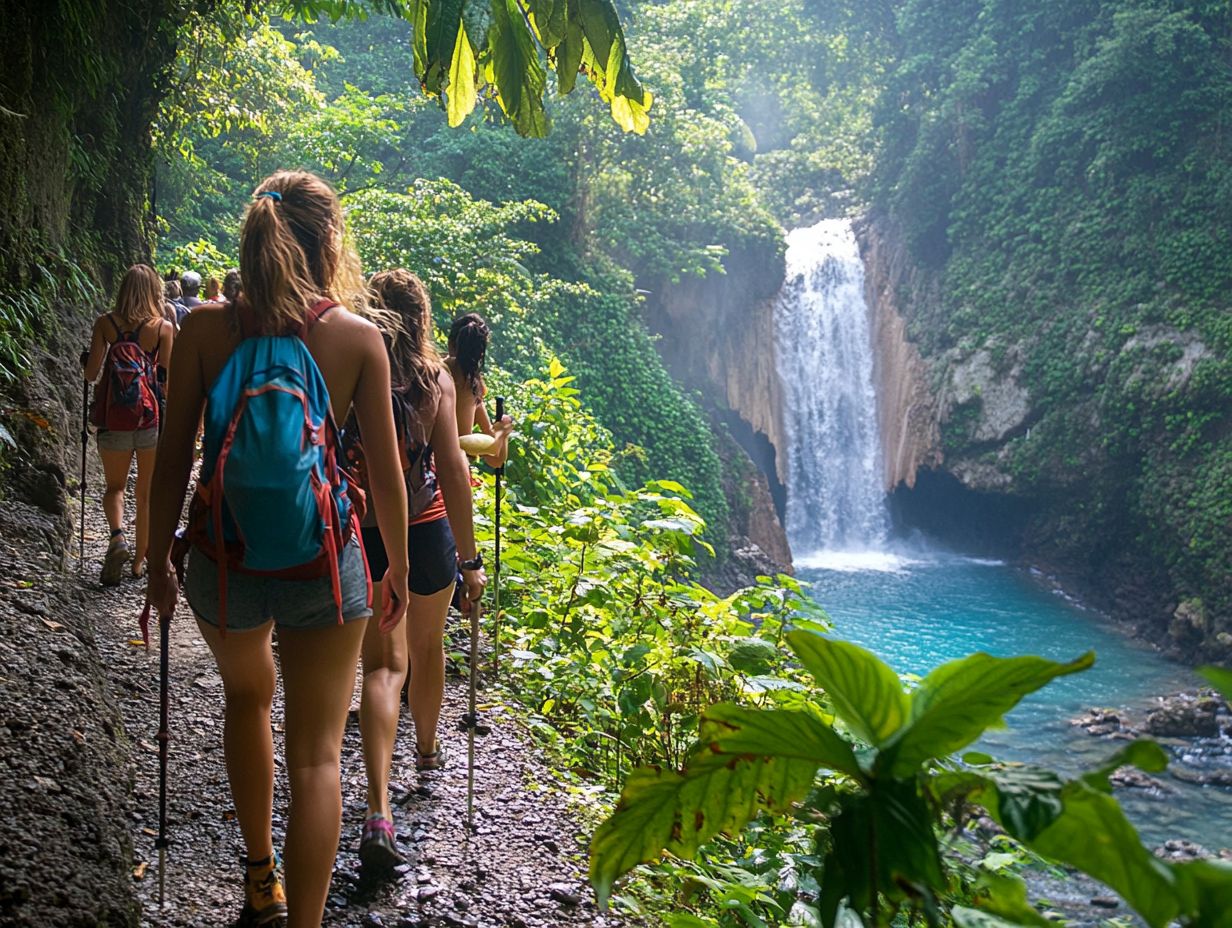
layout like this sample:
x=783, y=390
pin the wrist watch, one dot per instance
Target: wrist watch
x=474, y=563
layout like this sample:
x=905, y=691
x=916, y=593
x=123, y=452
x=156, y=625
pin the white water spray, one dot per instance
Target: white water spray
x=835, y=498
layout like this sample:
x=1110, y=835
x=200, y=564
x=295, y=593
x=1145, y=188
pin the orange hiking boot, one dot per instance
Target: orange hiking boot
x=265, y=901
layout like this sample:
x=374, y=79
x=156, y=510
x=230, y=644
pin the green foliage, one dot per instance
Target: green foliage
x=1064, y=168
x=878, y=815
x=503, y=54
x=25, y=313
x=1220, y=678
x=615, y=650
x=200, y=256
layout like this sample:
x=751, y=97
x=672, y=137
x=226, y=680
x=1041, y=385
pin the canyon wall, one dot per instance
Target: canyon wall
x=907, y=414
x=977, y=458
x=716, y=335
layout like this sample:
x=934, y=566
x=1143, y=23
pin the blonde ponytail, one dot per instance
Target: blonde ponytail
x=293, y=252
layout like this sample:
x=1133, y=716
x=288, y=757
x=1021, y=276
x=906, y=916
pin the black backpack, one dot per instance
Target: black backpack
x=418, y=467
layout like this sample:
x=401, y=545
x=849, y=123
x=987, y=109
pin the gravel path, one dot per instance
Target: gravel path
x=524, y=866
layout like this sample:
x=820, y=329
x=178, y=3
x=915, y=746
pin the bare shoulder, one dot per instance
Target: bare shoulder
x=445, y=379
x=345, y=329
x=209, y=320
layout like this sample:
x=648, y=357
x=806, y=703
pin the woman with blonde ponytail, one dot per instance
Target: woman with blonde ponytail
x=301, y=279
x=134, y=336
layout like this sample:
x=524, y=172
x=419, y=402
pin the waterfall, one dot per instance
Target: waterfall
x=835, y=498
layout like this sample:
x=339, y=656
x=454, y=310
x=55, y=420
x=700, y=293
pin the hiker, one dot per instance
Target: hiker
x=437, y=478
x=173, y=303
x=190, y=285
x=212, y=290
x=297, y=271
x=129, y=344
x=231, y=286
x=468, y=348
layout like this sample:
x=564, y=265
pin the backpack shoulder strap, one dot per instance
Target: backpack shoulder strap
x=158, y=337
x=119, y=336
x=314, y=314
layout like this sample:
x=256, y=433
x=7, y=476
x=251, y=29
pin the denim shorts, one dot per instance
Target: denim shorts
x=254, y=600
x=140, y=440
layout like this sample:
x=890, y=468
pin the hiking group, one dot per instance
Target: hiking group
x=295, y=523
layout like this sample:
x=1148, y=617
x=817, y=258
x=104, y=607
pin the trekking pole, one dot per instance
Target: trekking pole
x=472, y=720
x=85, y=442
x=164, y=736
x=496, y=560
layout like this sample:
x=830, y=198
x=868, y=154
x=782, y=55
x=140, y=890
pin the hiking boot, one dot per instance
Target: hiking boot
x=434, y=760
x=113, y=561
x=265, y=901
x=378, y=849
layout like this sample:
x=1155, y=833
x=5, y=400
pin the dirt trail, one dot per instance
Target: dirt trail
x=524, y=866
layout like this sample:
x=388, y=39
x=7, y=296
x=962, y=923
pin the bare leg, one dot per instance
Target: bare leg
x=145, y=470
x=318, y=675
x=246, y=664
x=115, y=478
x=425, y=636
x=384, y=658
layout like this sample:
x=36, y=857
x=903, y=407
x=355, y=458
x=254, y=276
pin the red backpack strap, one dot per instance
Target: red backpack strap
x=314, y=314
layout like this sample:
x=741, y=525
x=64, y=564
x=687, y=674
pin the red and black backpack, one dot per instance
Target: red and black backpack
x=126, y=399
x=415, y=456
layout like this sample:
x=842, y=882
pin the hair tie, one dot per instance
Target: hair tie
x=272, y=194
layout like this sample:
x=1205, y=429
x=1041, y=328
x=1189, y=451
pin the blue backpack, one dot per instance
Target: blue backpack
x=271, y=499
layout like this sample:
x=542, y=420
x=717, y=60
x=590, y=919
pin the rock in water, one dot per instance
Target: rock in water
x=1184, y=716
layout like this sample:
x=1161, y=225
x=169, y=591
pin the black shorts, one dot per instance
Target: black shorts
x=433, y=556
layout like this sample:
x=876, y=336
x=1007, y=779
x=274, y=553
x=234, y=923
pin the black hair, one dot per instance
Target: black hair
x=468, y=342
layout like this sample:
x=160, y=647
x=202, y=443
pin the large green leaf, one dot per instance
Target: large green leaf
x=1025, y=800
x=1206, y=893
x=520, y=78
x=1143, y=754
x=572, y=46
x=865, y=692
x=575, y=34
x=549, y=19
x=1004, y=895
x=1220, y=678
x=883, y=843
x=607, y=60
x=731, y=729
x=663, y=810
x=440, y=37
x=477, y=17
x=955, y=703
x=461, y=95
x=1093, y=834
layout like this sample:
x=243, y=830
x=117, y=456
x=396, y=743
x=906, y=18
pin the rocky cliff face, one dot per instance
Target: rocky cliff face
x=962, y=463
x=907, y=413
x=717, y=337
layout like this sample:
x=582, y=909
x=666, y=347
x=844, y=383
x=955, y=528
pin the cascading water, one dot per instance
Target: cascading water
x=835, y=498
